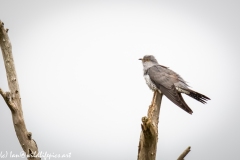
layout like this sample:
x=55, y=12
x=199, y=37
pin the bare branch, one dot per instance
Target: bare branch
x=13, y=99
x=149, y=136
x=147, y=148
x=181, y=157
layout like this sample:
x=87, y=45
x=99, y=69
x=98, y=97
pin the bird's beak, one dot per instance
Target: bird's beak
x=140, y=59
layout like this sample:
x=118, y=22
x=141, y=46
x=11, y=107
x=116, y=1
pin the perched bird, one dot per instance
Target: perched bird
x=169, y=83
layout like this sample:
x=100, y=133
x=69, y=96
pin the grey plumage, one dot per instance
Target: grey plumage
x=169, y=83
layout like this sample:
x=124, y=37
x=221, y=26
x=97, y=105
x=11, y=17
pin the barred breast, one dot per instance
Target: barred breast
x=150, y=84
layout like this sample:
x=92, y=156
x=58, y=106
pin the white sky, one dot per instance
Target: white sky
x=81, y=82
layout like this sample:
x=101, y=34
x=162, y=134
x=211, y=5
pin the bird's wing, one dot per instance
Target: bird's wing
x=164, y=79
x=163, y=76
x=176, y=97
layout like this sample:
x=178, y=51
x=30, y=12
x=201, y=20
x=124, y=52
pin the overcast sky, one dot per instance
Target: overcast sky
x=82, y=86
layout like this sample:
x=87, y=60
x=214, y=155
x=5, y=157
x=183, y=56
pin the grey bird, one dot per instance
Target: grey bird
x=169, y=83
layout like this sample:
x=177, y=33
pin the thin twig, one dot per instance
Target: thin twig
x=181, y=157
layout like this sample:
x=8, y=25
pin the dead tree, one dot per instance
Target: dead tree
x=13, y=99
x=147, y=148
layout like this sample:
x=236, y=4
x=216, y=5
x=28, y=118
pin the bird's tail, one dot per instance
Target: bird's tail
x=198, y=96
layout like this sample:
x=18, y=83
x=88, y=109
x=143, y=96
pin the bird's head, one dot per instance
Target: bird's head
x=148, y=59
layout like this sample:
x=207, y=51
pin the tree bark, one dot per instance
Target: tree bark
x=147, y=148
x=13, y=99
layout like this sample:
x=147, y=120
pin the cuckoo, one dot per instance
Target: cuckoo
x=169, y=83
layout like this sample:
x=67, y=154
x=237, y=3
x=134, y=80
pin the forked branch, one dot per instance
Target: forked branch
x=13, y=99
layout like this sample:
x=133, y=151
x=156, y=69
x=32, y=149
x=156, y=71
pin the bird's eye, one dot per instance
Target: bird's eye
x=147, y=59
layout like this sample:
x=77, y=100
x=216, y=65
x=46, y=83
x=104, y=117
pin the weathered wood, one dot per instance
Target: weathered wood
x=147, y=148
x=181, y=157
x=13, y=99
